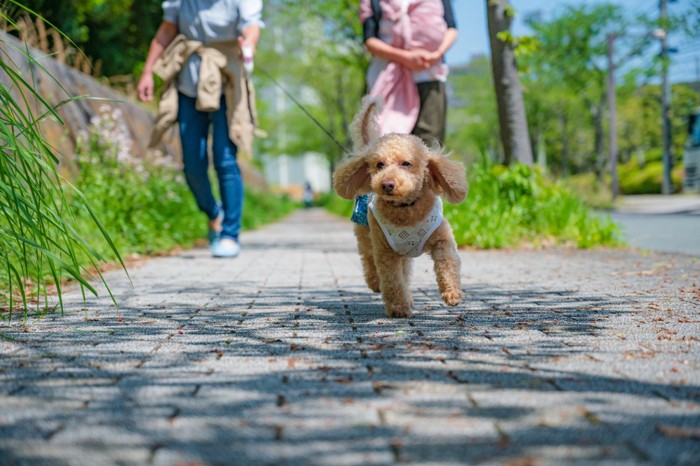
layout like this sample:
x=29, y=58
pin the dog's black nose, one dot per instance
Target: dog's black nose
x=388, y=186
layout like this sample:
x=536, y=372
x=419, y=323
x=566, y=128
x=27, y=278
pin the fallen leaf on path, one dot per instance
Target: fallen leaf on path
x=679, y=432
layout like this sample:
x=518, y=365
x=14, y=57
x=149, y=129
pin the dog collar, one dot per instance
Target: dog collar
x=404, y=204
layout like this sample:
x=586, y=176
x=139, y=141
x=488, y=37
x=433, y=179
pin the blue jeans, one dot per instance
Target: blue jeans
x=194, y=130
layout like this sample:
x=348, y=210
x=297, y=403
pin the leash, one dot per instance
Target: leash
x=303, y=109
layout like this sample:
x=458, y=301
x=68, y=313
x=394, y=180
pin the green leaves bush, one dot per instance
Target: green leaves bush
x=507, y=206
x=647, y=178
x=143, y=202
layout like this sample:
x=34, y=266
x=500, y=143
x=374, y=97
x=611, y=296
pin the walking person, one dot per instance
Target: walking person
x=199, y=51
x=407, y=40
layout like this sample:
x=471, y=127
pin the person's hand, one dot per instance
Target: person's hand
x=428, y=58
x=145, y=87
x=432, y=58
x=243, y=41
x=414, y=60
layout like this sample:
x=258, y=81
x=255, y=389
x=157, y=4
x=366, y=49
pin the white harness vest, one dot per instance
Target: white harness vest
x=409, y=240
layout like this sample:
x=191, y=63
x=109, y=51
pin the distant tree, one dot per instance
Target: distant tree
x=571, y=60
x=472, y=122
x=116, y=33
x=686, y=18
x=509, y=95
x=314, y=51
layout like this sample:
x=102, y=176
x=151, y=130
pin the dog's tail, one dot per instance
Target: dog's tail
x=365, y=127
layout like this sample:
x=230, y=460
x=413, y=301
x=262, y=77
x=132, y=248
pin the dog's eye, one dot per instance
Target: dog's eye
x=380, y=165
x=406, y=164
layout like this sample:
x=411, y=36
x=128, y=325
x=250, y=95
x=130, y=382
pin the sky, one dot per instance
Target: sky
x=473, y=36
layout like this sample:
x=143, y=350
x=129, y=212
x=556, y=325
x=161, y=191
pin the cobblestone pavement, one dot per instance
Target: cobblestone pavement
x=283, y=356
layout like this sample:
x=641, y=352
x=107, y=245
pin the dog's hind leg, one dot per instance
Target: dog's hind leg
x=364, y=246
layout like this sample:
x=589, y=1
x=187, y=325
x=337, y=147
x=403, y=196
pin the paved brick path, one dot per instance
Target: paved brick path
x=282, y=356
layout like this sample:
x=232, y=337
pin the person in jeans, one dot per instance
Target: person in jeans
x=214, y=30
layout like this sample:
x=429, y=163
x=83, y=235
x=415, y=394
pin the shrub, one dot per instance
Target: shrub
x=591, y=190
x=511, y=205
x=143, y=202
x=647, y=179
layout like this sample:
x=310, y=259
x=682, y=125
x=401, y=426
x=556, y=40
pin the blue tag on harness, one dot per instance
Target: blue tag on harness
x=359, y=212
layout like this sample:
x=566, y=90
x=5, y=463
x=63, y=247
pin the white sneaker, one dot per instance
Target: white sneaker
x=225, y=247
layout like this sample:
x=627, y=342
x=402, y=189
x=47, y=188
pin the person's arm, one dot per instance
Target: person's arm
x=450, y=36
x=164, y=36
x=249, y=37
x=250, y=23
x=448, y=40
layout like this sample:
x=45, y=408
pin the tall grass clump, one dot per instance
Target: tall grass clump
x=40, y=245
x=511, y=206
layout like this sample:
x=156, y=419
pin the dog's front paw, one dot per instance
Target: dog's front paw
x=452, y=297
x=398, y=311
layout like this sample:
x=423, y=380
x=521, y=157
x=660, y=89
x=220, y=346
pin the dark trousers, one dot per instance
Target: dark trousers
x=430, y=126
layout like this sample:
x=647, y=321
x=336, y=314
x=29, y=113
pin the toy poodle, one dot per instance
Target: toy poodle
x=404, y=179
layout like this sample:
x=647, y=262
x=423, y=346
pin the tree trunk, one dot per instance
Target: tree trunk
x=509, y=94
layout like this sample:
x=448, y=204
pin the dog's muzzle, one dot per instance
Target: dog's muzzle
x=388, y=187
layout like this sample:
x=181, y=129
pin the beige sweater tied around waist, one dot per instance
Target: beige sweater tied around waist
x=221, y=68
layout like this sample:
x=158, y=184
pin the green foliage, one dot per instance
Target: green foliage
x=313, y=50
x=115, y=32
x=565, y=82
x=522, y=45
x=40, y=243
x=472, y=124
x=144, y=203
x=591, y=190
x=634, y=176
x=566, y=78
x=690, y=22
x=261, y=207
x=639, y=110
x=336, y=204
x=647, y=179
x=507, y=206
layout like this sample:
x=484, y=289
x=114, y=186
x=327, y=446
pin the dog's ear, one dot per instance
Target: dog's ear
x=365, y=127
x=352, y=178
x=449, y=177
